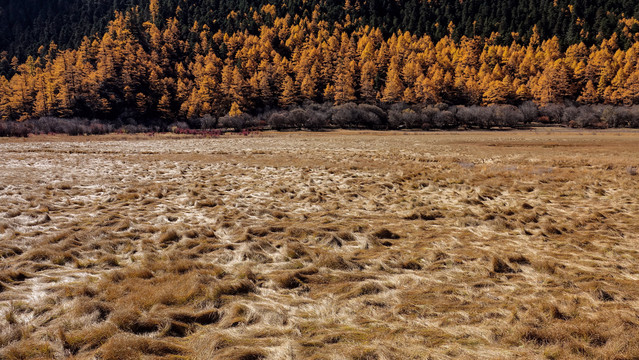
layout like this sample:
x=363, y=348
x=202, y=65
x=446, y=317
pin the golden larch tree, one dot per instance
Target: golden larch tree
x=394, y=87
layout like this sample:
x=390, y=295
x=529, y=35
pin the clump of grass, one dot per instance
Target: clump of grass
x=125, y=347
x=13, y=213
x=132, y=320
x=346, y=236
x=384, y=233
x=238, y=314
x=54, y=255
x=109, y=260
x=122, y=225
x=208, y=203
x=550, y=229
x=295, y=250
x=430, y=215
x=204, y=317
x=65, y=186
x=411, y=264
x=298, y=233
x=598, y=292
x=547, y=266
x=333, y=261
x=241, y=353
x=168, y=237
x=333, y=242
x=518, y=259
x=367, y=288
x=9, y=251
x=28, y=349
x=88, y=338
x=231, y=288
x=500, y=266
x=87, y=306
x=258, y=231
x=287, y=280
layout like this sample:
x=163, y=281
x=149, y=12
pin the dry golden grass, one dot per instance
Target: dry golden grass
x=337, y=245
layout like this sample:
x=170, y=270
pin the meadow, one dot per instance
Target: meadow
x=332, y=245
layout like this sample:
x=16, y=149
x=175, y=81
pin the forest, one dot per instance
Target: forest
x=155, y=67
x=29, y=24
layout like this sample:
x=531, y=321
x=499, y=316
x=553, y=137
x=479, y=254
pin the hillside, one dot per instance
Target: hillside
x=30, y=24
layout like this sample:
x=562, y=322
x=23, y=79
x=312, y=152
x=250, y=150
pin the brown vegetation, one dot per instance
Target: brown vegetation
x=321, y=246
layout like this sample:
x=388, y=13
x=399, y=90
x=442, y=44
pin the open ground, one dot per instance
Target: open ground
x=337, y=245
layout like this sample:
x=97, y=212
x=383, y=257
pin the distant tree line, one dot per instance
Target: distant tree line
x=321, y=117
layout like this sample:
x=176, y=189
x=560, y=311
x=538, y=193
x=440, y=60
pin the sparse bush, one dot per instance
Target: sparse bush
x=353, y=116
x=237, y=123
x=405, y=119
x=529, y=111
x=179, y=125
x=314, y=116
x=279, y=121
x=553, y=112
x=427, y=116
x=583, y=117
x=445, y=120
x=208, y=122
x=13, y=129
x=507, y=116
x=475, y=116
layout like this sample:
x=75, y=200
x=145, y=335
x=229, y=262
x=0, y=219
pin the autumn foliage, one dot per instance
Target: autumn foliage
x=148, y=70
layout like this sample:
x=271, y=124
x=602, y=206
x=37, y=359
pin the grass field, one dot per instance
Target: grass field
x=338, y=245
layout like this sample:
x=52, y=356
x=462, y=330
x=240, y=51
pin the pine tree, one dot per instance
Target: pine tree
x=344, y=82
x=235, y=110
x=307, y=89
x=496, y=93
x=630, y=90
x=367, y=81
x=289, y=93
x=394, y=88
x=589, y=94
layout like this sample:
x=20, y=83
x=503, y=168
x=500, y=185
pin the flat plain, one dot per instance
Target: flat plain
x=336, y=245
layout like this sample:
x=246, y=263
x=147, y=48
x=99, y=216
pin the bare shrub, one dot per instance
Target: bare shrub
x=13, y=129
x=507, y=116
x=475, y=116
x=427, y=116
x=208, y=122
x=350, y=115
x=279, y=121
x=404, y=119
x=237, y=123
x=530, y=111
x=445, y=120
x=553, y=112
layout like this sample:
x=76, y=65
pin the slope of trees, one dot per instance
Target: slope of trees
x=29, y=24
x=144, y=69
